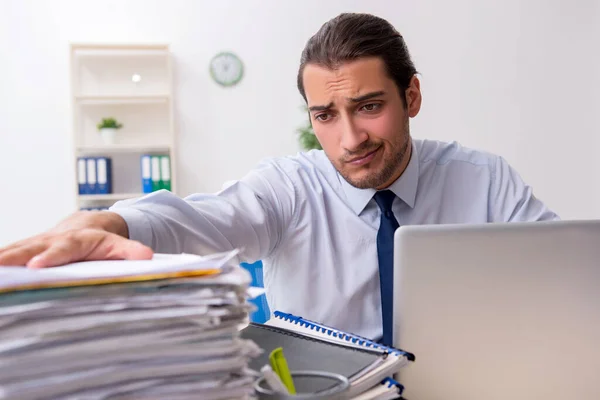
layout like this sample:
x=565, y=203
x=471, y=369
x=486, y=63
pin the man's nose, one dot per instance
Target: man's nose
x=352, y=135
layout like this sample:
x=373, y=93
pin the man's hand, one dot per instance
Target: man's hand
x=81, y=237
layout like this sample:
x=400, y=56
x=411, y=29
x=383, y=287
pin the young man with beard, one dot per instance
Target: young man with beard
x=322, y=222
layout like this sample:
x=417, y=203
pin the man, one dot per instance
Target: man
x=322, y=221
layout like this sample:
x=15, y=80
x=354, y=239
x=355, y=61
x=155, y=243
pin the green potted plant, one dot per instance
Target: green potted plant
x=108, y=128
x=306, y=136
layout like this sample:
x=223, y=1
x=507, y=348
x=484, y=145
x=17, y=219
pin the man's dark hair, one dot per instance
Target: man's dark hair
x=351, y=36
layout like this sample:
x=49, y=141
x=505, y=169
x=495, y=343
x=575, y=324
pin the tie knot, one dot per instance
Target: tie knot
x=385, y=199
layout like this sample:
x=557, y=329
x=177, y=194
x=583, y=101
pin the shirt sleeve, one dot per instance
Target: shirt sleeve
x=251, y=214
x=511, y=199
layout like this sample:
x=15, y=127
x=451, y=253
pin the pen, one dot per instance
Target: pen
x=280, y=367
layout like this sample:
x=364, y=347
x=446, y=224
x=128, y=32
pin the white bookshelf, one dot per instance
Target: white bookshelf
x=132, y=83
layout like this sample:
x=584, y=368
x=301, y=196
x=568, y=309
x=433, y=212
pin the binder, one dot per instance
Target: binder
x=104, y=174
x=311, y=346
x=146, y=174
x=155, y=172
x=82, y=175
x=91, y=176
x=165, y=173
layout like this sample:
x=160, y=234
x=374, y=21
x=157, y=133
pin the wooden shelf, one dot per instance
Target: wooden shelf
x=110, y=197
x=117, y=100
x=122, y=148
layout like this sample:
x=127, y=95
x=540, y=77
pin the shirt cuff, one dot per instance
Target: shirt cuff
x=138, y=224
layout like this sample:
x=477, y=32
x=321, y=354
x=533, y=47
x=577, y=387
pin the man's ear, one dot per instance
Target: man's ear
x=413, y=97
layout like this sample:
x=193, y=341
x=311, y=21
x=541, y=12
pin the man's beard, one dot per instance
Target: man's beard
x=391, y=164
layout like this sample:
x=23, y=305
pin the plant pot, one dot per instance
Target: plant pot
x=108, y=135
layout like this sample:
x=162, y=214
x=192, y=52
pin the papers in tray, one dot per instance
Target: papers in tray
x=157, y=329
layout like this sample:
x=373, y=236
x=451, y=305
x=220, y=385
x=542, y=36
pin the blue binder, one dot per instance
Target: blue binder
x=104, y=175
x=92, y=176
x=82, y=175
x=146, y=173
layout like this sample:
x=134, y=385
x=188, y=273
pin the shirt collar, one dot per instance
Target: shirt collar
x=405, y=187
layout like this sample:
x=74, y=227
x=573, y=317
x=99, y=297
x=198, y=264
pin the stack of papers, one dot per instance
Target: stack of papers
x=166, y=328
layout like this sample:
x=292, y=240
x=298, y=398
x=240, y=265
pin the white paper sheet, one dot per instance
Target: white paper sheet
x=160, y=264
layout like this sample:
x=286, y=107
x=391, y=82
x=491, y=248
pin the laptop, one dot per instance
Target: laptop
x=499, y=311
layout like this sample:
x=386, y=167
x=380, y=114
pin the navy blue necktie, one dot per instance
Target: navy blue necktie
x=385, y=255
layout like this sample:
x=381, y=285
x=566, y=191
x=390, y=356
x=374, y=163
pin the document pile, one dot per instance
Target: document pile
x=166, y=328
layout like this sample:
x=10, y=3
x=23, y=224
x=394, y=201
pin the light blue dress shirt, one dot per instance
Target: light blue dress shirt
x=317, y=235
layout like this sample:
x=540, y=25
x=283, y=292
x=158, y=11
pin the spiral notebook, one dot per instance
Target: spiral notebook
x=389, y=389
x=311, y=346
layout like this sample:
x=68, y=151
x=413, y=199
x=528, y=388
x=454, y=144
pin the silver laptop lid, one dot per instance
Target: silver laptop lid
x=499, y=311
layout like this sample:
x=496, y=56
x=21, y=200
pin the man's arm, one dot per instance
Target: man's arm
x=511, y=199
x=252, y=213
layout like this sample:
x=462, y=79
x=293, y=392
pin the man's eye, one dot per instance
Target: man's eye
x=322, y=117
x=371, y=107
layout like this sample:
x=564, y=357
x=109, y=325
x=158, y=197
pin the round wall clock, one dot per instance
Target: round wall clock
x=226, y=69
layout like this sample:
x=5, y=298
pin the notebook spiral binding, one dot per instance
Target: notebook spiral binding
x=389, y=382
x=355, y=339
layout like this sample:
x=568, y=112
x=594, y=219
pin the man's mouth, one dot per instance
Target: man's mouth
x=361, y=160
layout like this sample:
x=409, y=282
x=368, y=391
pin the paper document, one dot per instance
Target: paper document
x=87, y=272
x=165, y=328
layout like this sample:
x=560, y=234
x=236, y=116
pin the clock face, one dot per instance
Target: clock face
x=226, y=69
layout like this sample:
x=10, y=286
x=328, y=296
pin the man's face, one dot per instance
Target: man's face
x=359, y=118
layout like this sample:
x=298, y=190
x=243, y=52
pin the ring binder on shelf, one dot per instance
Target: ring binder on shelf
x=104, y=175
x=92, y=177
x=82, y=175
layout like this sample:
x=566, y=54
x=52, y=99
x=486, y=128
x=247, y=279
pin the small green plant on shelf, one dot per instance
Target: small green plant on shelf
x=306, y=136
x=109, y=123
x=108, y=128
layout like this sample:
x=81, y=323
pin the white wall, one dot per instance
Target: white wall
x=515, y=77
